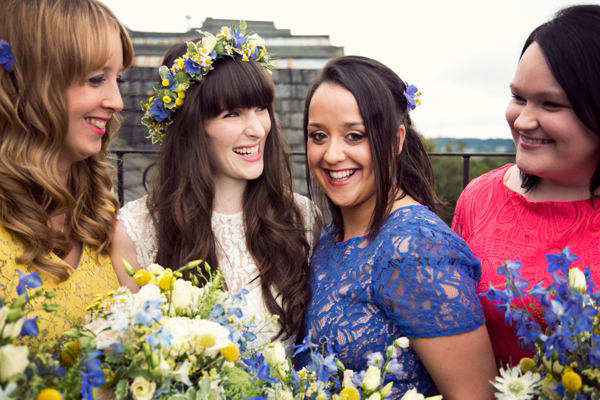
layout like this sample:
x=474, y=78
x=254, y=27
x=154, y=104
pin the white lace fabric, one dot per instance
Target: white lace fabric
x=235, y=262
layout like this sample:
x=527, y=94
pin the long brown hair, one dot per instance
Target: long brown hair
x=57, y=43
x=181, y=203
x=379, y=93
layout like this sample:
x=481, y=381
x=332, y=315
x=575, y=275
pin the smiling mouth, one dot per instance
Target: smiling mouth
x=535, y=141
x=339, y=176
x=247, y=151
x=98, y=123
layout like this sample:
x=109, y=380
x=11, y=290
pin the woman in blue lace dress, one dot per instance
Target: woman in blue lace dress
x=387, y=266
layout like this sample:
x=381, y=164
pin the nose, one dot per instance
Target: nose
x=334, y=152
x=526, y=118
x=112, y=99
x=254, y=126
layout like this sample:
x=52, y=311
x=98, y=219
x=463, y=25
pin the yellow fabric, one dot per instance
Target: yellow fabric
x=75, y=294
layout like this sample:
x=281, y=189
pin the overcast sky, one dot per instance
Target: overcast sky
x=461, y=54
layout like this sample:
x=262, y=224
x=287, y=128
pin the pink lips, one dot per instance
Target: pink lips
x=528, y=143
x=95, y=129
x=253, y=158
x=339, y=183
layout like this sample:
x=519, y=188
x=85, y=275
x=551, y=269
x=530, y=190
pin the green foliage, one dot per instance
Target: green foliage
x=449, y=173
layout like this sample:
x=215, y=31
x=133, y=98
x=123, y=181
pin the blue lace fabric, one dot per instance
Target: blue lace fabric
x=417, y=279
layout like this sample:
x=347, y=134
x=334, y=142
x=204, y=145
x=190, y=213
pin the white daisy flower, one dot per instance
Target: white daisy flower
x=513, y=385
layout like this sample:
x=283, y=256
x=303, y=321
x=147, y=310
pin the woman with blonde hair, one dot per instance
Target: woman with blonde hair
x=58, y=105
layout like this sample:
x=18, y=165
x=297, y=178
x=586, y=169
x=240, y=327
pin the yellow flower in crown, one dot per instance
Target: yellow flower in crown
x=191, y=67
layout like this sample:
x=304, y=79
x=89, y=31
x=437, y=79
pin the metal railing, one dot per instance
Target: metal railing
x=120, y=156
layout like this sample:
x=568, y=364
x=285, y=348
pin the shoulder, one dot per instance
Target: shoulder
x=484, y=181
x=418, y=237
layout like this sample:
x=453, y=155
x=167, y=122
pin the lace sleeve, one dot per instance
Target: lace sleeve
x=428, y=286
x=140, y=229
x=312, y=218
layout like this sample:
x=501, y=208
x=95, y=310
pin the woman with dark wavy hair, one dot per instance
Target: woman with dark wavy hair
x=549, y=198
x=223, y=192
x=387, y=267
x=58, y=105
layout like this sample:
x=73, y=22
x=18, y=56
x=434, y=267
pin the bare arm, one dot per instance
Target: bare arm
x=124, y=248
x=461, y=366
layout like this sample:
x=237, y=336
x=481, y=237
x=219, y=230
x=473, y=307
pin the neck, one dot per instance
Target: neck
x=228, y=196
x=356, y=219
x=550, y=189
x=64, y=171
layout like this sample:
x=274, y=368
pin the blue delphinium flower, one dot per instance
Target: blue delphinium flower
x=149, y=313
x=530, y=331
x=257, y=365
x=305, y=345
x=495, y=295
x=118, y=348
x=240, y=297
x=510, y=269
x=28, y=281
x=192, y=66
x=235, y=311
x=375, y=359
x=325, y=366
x=30, y=327
x=239, y=39
x=411, y=93
x=217, y=315
x=541, y=293
x=92, y=374
x=394, y=367
x=558, y=342
x=161, y=336
x=561, y=261
x=159, y=111
x=7, y=58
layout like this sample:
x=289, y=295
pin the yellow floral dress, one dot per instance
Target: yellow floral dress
x=90, y=278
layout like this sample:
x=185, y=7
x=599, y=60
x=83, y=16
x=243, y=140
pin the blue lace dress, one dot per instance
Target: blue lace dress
x=417, y=279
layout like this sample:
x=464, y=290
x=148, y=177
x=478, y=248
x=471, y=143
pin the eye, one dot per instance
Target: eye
x=120, y=80
x=552, y=105
x=97, y=79
x=263, y=108
x=230, y=114
x=317, y=136
x=518, y=99
x=355, y=136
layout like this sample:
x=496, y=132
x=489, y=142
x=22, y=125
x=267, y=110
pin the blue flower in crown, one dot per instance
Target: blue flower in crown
x=193, y=66
x=7, y=57
x=159, y=111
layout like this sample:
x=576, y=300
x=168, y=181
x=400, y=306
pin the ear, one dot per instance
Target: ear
x=401, y=134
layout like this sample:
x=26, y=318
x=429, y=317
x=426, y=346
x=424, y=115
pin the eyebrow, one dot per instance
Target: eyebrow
x=346, y=124
x=552, y=93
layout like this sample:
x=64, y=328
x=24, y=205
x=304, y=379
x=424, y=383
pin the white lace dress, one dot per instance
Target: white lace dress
x=235, y=261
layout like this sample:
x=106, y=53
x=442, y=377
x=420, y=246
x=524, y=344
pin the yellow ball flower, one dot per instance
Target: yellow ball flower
x=70, y=352
x=572, y=381
x=142, y=277
x=181, y=95
x=231, y=353
x=208, y=340
x=166, y=282
x=179, y=102
x=167, y=99
x=526, y=364
x=350, y=393
x=49, y=394
x=165, y=82
x=109, y=377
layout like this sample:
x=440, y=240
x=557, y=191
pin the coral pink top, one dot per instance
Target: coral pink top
x=499, y=224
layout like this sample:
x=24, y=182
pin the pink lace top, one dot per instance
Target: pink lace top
x=500, y=224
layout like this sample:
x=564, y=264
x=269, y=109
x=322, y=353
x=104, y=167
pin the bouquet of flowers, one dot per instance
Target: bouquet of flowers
x=30, y=369
x=566, y=364
x=171, y=340
x=326, y=377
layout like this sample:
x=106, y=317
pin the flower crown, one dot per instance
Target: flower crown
x=193, y=66
x=413, y=97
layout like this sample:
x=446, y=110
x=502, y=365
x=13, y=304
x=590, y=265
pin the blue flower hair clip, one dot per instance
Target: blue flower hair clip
x=413, y=96
x=7, y=58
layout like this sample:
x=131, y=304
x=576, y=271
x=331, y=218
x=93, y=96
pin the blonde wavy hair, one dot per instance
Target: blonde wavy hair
x=57, y=44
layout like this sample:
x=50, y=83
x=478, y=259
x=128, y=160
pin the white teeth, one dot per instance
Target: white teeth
x=98, y=123
x=341, y=175
x=535, y=141
x=247, y=151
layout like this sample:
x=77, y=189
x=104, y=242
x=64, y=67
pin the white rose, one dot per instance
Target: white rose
x=375, y=396
x=221, y=334
x=13, y=360
x=256, y=40
x=347, y=382
x=182, y=294
x=147, y=292
x=141, y=389
x=208, y=43
x=371, y=378
x=577, y=279
x=274, y=353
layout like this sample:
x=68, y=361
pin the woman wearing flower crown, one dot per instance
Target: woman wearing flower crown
x=60, y=61
x=549, y=199
x=387, y=266
x=223, y=192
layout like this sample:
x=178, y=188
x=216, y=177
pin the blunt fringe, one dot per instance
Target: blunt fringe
x=181, y=201
x=379, y=93
x=570, y=43
x=57, y=43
